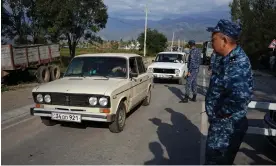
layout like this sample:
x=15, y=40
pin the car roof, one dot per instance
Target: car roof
x=125, y=55
x=172, y=52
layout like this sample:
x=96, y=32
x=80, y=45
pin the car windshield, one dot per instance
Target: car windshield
x=168, y=58
x=97, y=66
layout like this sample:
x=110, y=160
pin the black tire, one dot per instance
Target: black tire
x=43, y=74
x=47, y=121
x=147, y=100
x=54, y=72
x=118, y=124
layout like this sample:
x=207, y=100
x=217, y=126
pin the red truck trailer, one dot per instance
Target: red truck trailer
x=35, y=57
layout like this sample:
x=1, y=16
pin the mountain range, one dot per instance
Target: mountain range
x=185, y=27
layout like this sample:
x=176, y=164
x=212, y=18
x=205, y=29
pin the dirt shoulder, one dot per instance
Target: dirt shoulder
x=17, y=96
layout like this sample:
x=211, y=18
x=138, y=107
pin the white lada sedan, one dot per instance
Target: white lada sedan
x=95, y=87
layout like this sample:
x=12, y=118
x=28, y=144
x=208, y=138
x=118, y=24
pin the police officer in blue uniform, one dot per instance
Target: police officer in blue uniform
x=193, y=69
x=230, y=91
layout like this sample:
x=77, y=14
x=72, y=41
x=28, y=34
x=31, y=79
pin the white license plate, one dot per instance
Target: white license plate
x=162, y=76
x=66, y=117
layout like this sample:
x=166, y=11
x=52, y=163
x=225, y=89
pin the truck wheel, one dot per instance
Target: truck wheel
x=54, y=72
x=47, y=121
x=120, y=119
x=43, y=74
x=147, y=100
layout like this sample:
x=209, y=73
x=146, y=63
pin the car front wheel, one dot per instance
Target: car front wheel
x=120, y=119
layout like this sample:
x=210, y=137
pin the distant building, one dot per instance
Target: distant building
x=131, y=46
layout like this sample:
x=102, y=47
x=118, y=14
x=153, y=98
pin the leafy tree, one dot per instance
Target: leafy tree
x=114, y=45
x=73, y=18
x=14, y=23
x=257, y=18
x=156, y=41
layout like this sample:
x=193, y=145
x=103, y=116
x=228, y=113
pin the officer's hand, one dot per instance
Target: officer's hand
x=189, y=74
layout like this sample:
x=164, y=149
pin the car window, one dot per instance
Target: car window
x=140, y=64
x=97, y=66
x=133, y=65
x=173, y=58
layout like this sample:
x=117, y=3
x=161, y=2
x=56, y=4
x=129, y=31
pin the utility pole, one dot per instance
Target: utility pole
x=146, y=25
x=172, y=42
x=178, y=45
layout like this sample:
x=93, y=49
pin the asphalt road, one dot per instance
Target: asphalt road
x=165, y=132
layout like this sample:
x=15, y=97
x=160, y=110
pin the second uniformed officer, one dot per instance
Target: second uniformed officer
x=193, y=69
x=230, y=91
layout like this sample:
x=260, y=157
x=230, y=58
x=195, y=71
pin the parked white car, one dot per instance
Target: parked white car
x=95, y=87
x=170, y=65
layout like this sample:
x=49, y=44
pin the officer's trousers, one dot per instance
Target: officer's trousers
x=192, y=82
x=222, y=149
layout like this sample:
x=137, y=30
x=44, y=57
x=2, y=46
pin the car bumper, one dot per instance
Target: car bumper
x=270, y=130
x=85, y=116
x=166, y=76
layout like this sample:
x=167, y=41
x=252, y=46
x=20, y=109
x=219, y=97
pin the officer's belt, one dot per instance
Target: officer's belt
x=223, y=116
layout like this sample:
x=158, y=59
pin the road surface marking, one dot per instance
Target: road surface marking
x=17, y=123
x=261, y=131
x=262, y=105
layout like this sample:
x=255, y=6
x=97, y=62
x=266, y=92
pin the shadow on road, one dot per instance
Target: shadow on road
x=180, y=95
x=158, y=152
x=176, y=91
x=181, y=140
x=259, y=147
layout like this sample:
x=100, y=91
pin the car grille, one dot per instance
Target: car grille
x=77, y=100
x=168, y=71
x=69, y=99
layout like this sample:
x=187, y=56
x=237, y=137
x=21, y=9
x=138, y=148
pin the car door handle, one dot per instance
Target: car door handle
x=141, y=80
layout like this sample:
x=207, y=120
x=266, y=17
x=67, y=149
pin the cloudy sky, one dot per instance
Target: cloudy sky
x=158, y=9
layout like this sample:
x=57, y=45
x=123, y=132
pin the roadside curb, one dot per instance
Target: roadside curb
x=14, y=115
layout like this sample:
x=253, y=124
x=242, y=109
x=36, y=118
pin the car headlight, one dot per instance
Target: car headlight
x=47, y=98
x=150, y=70
x=177, y=71
x=93, y=100
x=103, y=101
x=39, y=98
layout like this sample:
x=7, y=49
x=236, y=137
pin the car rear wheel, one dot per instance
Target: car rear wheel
x=147, y=100
x=120, y=119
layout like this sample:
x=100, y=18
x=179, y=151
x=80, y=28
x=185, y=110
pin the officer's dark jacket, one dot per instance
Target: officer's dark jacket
x=194, y=59
x=231, y=86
